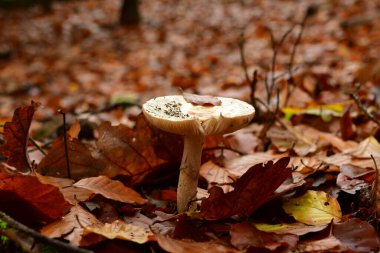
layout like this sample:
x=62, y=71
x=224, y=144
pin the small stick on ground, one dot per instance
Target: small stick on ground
x=65, y=247
x=356, y=98
x=65, y=142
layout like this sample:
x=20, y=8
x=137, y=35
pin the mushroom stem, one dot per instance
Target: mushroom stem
x=189, y=171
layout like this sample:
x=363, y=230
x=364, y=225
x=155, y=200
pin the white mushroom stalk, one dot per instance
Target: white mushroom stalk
x=175, y=115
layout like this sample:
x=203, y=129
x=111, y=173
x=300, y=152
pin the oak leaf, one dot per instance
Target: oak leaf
x=16, y=136
x=253, y=189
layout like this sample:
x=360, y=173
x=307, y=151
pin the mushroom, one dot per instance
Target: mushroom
x=195, y=121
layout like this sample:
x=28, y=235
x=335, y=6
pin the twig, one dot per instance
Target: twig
x=356, y=98
x=253, y=82
x=311, y=10
x=33, y=141
x=242, y=57
x=376, y=181
x=41, y=238
x=275, y=49
x=65, y=143
x=225, y=148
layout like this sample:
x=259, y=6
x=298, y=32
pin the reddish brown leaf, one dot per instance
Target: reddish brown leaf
x=201, y=99
x=16, y=134
x=245, y=235
x=252, y=190
x=187, y=246
x=357, y=235
x=111, y=189
x=82, y=163
x=139, y=151
x=29, y=201
x=346, y=126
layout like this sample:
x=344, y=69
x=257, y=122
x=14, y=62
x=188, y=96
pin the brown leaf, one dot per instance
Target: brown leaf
x=201, y=99
x=71, y=193
x=245, y=235
x=71, y=225
x=42, y=202
x=357, y=235
x=137, y=152
x=346, y=125
x=16, y=134
x=187, y=246
x=82, y=163
x=111, y=189
x=252, y=190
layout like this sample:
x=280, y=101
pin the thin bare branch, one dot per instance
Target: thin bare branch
x=355, y=97
x=65, y=247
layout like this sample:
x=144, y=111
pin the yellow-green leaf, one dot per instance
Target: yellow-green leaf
x=313, y=208
x=326, y=112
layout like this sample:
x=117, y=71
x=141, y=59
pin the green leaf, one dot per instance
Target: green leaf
x=313, y=208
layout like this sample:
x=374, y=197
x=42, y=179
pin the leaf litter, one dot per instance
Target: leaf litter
x=303, y=176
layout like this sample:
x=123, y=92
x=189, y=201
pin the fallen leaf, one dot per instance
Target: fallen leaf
x=201, y=99
x=357, y=235
x=326, y=112
x=111, y=189
x=137, y=152
x=292, y=228
x=187, y=246
x=43, y=203
x=329, y=244
x=16, y=136
x=82, y=163
x=74, y=130
x=245, y=235
x=121, y=230
x=71, y=225
x=313, y=208
x=250, y=191
x=214, y=174
x=71, y=193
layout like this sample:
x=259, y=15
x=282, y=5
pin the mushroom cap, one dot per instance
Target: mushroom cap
x=174, y=114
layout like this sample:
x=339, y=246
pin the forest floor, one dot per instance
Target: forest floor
x=317, y=100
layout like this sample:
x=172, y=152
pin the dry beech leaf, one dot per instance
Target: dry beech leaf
x=74, y=130
x=201, y=99
x=82, y=163
x=357, y=235
x=28, y=200
x=16, y=136
x=121, y=230
x=187, y=246
x=71, y=225
x=215, y=174
x=329, y=244
x=71, y=193
x=250, y=191
x=111, y=189
x=245, y=235
x=313, y=208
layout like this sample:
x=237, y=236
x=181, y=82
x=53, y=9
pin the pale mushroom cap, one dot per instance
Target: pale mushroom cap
x=174, y=115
